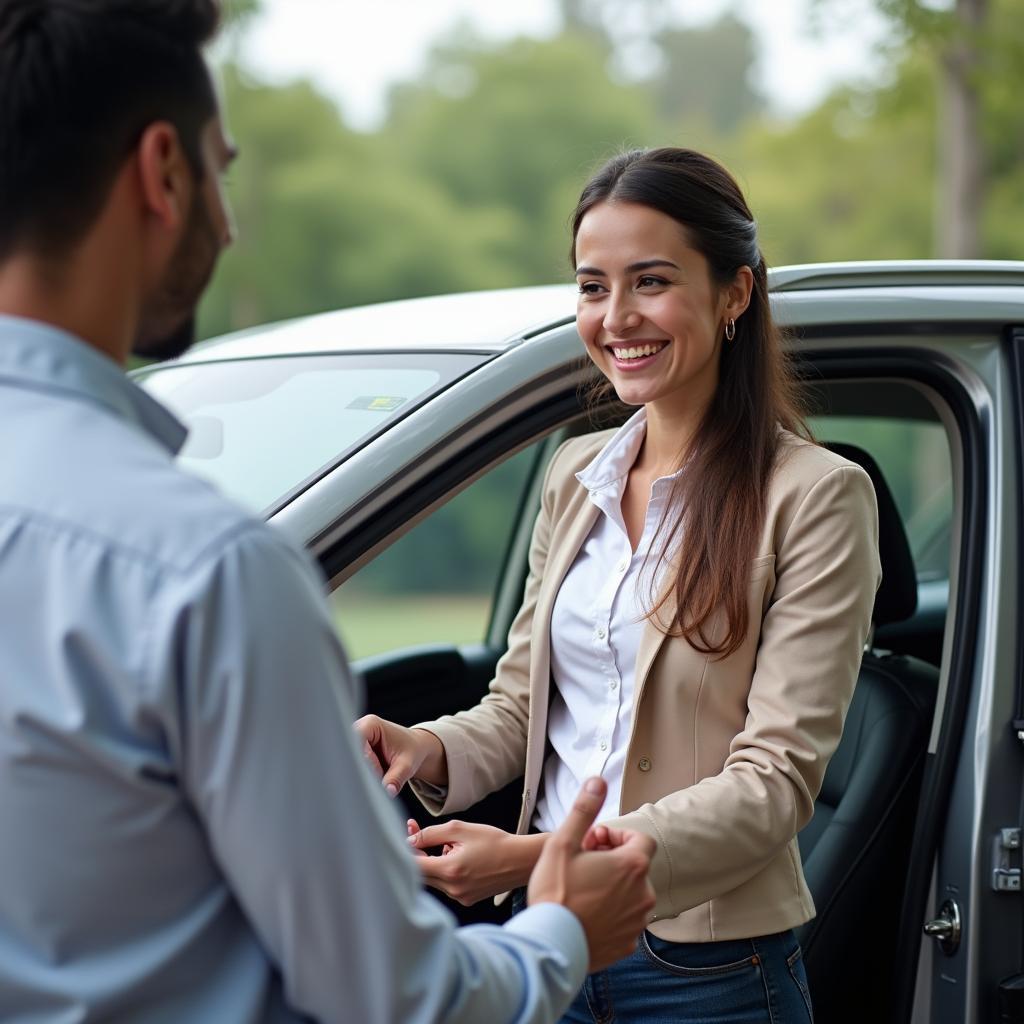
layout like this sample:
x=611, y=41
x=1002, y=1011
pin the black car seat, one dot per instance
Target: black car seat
x=856, y=848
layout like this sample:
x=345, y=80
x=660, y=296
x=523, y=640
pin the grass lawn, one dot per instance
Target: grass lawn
x=372, y=625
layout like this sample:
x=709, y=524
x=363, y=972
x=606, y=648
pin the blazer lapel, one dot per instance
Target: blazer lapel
x=566, y=542
x=567, y=537
x=651, y=641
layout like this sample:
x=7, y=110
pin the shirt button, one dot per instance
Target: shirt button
x=613, y=684
x=644, y=764
x=600, y=633
x=603, y=744
x=622, y=566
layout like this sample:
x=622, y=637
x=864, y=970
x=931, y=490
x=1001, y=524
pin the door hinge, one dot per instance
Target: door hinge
x=1006, y=860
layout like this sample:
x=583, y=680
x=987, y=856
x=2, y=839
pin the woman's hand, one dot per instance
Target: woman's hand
x=476, y=861
x=397, y=754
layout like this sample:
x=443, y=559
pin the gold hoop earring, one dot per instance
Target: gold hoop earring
x=730, y=329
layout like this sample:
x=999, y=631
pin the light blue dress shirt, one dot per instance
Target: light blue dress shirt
x=187, y=830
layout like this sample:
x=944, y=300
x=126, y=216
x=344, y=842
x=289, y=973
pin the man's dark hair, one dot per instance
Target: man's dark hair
x=79, y=82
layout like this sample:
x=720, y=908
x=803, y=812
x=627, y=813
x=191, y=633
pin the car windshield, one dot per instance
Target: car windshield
x=264, y=428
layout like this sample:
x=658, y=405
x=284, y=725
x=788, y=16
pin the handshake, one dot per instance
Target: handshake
x=597, y=872
x=600, y=874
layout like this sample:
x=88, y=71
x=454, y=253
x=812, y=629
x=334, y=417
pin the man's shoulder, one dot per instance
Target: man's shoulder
x=114, y=487
x=184, y=521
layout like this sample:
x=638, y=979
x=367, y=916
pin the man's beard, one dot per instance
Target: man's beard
x=167, y=327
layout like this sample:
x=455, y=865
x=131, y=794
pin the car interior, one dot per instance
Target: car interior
x=857, y=849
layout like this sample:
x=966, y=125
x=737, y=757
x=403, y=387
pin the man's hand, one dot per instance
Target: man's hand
x=397, y=754
x=605, y=885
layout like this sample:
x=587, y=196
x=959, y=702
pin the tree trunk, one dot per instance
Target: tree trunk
x=962, y=161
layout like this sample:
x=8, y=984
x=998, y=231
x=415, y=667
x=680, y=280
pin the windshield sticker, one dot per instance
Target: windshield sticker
x=382, y=403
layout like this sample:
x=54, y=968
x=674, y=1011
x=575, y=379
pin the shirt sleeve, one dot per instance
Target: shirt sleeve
x=310, y=845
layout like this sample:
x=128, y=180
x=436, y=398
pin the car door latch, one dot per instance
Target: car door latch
x=1006, y=860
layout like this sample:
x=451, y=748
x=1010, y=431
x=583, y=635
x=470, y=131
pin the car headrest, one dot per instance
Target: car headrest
x=897, y=596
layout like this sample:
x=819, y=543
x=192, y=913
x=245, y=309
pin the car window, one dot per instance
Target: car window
x=914, y=458
x=261, y=428
x=436, y=584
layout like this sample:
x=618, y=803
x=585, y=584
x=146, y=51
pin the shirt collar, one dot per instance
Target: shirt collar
x=608, y=469
x=38, y=355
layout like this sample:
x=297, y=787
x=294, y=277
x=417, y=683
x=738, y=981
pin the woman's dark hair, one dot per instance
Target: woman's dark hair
x=723, y=492
x=80, y=80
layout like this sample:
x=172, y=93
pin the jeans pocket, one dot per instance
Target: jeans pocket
x=698, y=959
x=795, y=963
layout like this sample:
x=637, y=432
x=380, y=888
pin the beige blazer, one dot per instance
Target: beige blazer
x=726, y=755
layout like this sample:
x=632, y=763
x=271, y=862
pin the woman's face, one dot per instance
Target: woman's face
x=648, y=313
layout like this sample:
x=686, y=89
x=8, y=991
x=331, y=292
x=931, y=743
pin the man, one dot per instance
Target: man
x=187, y=830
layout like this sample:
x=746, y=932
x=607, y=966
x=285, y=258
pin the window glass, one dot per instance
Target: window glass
x=436, y=584
x=915, y=461
x=259, y=428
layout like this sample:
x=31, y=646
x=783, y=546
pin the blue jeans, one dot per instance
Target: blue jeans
x=744, y=981
x=741, y=981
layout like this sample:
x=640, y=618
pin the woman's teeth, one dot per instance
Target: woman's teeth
x=637, y=351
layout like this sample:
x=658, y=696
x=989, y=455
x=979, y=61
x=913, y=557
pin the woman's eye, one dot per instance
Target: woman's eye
x=647, y=281
x=589, y=288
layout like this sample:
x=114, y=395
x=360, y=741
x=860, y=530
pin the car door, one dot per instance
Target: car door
x=417, y=618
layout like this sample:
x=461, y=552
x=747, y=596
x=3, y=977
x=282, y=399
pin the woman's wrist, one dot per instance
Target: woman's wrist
x=524, y=854
x=434, y=759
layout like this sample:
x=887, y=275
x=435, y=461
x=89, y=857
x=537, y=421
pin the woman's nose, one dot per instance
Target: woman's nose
x=621, y=315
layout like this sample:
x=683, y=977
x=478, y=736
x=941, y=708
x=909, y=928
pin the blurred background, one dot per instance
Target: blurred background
x=410, y=147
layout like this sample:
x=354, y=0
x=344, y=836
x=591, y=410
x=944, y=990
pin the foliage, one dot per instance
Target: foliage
x=470, y=181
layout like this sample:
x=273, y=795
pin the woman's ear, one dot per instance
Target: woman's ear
x=737, y=294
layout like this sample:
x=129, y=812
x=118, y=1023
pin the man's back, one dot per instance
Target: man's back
x=110, y=882
x=189, y=832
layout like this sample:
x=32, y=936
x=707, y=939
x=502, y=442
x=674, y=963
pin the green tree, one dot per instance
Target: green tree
x=706, y=74
x=850, y=180
x=327, y=218
x=977, y=50
x=515, y=129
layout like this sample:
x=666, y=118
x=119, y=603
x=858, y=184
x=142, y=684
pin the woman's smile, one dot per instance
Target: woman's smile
x=636, y=355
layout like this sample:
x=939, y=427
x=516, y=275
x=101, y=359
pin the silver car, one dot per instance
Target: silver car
x=404, y=445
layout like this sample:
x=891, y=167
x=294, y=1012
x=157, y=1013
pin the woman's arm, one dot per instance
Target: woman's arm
x=485, y=747
x=719, y=833
x=477, y=861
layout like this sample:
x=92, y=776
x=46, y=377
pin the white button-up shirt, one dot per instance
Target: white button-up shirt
x=596, y=625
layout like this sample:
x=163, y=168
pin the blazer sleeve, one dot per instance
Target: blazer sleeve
x=486, y=746
x=717, y=834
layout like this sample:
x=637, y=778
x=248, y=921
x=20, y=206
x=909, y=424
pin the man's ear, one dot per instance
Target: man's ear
x=165, y=176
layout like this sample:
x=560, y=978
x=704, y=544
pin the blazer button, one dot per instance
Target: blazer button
x=644, y=764
x=526, y=796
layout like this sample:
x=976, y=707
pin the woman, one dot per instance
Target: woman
x=700, y=590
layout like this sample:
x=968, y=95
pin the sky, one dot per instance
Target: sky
x=354, y=49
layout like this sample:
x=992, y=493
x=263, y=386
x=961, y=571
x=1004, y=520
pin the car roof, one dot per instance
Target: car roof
x=489, y=322
x=484, y=321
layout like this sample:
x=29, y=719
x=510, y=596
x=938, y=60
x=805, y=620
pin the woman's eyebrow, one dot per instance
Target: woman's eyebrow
x=648, y=264
x=631, y=269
